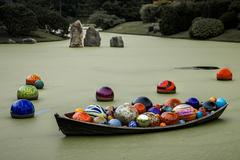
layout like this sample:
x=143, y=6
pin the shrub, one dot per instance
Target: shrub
x=206, y=28
x=148, y=13
x=176, y=18
x=18, y=19
x=229, y=19
x=235, y=6
x=104, y=20
x=215, y=8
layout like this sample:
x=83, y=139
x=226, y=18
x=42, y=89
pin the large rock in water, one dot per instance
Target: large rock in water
x=116, y=42
x=92, y=38
x=76, y=34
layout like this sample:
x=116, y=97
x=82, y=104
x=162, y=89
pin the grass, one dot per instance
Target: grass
x=139, y=28
x=40, y=35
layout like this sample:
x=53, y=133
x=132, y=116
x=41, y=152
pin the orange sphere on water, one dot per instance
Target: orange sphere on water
x=31, y=79
x=224, y=74
x=140, y=108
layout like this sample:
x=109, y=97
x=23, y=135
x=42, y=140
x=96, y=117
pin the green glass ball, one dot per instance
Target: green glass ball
x=39, y=84
x=28, y=92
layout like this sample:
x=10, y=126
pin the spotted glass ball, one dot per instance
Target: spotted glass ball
x=28, y=92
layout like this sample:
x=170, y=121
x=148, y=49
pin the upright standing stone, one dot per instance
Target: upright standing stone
x=76, y=34
x=92, y=38
x=116, y=42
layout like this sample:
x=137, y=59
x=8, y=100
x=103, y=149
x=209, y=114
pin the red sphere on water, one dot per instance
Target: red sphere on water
x=224, y=74
x=104, y=94
x=166, y=87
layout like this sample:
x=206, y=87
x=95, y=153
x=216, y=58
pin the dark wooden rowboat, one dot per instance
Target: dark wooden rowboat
x=71, y=127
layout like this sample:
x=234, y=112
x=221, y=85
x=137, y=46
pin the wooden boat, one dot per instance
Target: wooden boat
x=71, y=127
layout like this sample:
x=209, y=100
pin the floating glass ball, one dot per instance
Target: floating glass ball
x=31, y=79
x=39, y=84
x=126, y=113
x=194, y=102
x=221, y=102
x=143, y=120
x=96, y=111
x=115, y=123
x=22, y=109
x=166, y=87
x=104, y=94
x=185, y=112
x=132, y=124
x=27, y=92
x=224, y=74
x=144, y=100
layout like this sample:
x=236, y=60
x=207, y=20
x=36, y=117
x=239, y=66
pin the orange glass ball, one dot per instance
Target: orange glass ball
x=140, y=108
x=31, y=79
x=224, y=74
x=170, y=118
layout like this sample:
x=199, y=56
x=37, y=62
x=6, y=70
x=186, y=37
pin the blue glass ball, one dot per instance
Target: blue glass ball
x=115, y=123
x=167, y=109
x=132, y=124
x=220, y=102
x=194, y=102
x=181, y=121
x=39, y=84
x=154, y=110
x=199, y=114
x=22, y=109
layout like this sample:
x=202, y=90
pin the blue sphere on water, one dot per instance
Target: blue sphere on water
x=115, y=123
x=39, y=84
x=199, y=114
x=22, y=109
x=132, y=124
x=194, y=102
x=220, y=102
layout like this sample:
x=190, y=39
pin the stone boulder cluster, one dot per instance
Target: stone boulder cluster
x=92, y=37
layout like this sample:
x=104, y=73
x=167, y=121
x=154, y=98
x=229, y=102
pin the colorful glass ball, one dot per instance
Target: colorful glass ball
x=170, y=118
x=126, y=113
x=185, y=112
x=22, y=109
x=194, y=102
x=115, y=123
x=209, y=106
x=221, y=102
x=140, y=108
x=172, y=102
x=167, y=109
x=154, y=110
x=31, y=79
x=199, y=114
x=99, y=120
x=82, y=116
x=224, y=74
x=132, y=124
x=96, y=111
x=39, y=84
x=28, y=92
x=154, y=119
x=104, y=94
x=143, y=120
x=144, y=100
x=203, y=110
x=166, y=87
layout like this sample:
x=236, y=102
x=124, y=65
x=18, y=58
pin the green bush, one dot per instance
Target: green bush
x=104, y=20
x=18, y=19
x=176, y=18
x=148, y=13
x=229, y=19
x=206, y=28
x=235, y=6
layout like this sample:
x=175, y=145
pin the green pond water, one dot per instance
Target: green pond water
x=72, y=75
